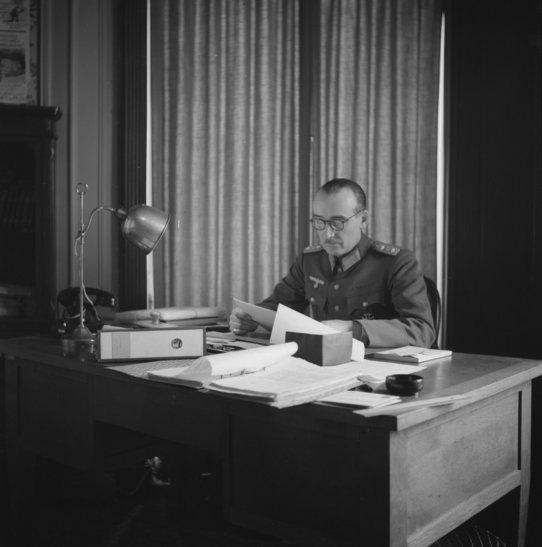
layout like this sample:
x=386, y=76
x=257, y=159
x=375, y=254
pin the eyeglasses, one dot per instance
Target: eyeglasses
x=336, y=224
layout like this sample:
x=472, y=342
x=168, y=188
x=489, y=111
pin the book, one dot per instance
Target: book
x=199, y=373
x=292, y=381
x=409, y=354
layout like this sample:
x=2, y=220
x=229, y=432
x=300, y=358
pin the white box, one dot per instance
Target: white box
x=150, y=344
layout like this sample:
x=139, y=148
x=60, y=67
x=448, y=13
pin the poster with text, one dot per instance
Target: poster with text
x=17, y=52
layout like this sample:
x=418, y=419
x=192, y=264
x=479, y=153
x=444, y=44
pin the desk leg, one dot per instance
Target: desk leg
x=525, y=463
x=21, y=487
x=21, y=465
x=507, y=517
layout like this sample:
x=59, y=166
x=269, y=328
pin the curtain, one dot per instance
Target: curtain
x=376, y=96
x=228, y=104
x=228, y=148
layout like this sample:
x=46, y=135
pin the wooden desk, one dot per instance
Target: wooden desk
x=315, y=472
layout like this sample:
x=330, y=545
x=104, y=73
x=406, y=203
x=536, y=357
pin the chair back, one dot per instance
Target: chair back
x=436, y=305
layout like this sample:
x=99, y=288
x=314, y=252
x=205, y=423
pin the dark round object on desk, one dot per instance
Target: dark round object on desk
x=404, y=384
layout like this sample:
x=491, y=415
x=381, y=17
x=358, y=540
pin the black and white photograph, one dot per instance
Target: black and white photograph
x=271, y=273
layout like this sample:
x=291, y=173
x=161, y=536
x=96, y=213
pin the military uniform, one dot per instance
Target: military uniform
x=379, y=286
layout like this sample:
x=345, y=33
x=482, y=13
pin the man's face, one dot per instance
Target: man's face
x=338, y=205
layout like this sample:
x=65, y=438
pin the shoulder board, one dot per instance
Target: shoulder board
x=312, y=249
x=386, y=248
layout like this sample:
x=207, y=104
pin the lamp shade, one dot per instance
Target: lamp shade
x=144, y=226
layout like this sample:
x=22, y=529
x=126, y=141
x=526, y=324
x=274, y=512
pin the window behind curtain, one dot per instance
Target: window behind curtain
x=233, y=83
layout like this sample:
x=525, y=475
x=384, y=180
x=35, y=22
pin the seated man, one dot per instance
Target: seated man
x=351, y=282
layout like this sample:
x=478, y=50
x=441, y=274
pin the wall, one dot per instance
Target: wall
x=495, y=200
x=77, y=74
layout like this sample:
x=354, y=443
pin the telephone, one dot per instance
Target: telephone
x=67, y=308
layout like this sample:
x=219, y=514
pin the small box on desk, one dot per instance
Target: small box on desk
x=323, y=349
x=150, y=344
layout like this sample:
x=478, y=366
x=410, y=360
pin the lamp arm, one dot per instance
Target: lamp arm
x=83, y=229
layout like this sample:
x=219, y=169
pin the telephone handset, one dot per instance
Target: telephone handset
x=67, y=308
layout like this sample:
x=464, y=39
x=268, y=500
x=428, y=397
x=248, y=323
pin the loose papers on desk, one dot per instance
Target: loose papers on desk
x=267, y=374
x=202, y=371
x=361, y=399
x=294, y=381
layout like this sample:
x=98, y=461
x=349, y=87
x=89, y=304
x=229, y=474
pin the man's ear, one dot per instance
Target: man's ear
x=364, y=217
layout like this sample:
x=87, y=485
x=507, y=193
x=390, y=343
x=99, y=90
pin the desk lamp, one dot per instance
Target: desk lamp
x=141, y=225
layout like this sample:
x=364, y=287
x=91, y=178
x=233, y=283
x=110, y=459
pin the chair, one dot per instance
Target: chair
x=436, y=305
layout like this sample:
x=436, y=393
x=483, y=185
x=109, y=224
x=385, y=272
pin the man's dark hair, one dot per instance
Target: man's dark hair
x=336, y=185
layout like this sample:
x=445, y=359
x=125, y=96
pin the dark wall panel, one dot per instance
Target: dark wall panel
x=494, y=295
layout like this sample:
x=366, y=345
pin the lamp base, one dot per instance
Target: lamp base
x=80, y=344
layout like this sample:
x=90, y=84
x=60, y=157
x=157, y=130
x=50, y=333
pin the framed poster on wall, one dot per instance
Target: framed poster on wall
x=18, y=51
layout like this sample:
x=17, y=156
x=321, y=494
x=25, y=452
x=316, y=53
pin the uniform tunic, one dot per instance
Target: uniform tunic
x=378, y=285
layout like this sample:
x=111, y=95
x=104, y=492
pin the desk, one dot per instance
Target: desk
x=313, y=472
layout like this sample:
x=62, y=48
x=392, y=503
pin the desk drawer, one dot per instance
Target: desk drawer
x=53, y=414
x=170, y=413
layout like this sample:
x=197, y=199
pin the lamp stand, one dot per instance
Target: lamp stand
x=81, y=342
x=143, y=226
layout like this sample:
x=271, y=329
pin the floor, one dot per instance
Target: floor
x=141, y=523
x=139, y=507
x=76, y=510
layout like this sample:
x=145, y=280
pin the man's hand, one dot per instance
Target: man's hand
x=339, y=325
x=241, y=322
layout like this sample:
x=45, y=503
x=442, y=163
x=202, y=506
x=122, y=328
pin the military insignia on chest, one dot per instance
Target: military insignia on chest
x=316, y=281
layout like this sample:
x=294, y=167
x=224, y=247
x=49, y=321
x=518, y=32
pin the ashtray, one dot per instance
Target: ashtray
x=404, y=384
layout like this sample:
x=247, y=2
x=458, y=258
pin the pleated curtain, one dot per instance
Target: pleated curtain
x=229, y=150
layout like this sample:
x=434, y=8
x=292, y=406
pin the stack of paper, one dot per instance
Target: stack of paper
x=290, y=382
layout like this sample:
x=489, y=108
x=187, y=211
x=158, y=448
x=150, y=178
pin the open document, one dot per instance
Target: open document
x=263, y=316
x=285, y=319
x=202, y=371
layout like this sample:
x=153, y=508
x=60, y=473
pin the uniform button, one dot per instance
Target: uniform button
x=336, y=308
x=365, y=304
x=311, y=299
x=336, y=286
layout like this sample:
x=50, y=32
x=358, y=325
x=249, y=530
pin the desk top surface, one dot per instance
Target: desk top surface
x=475, y=376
